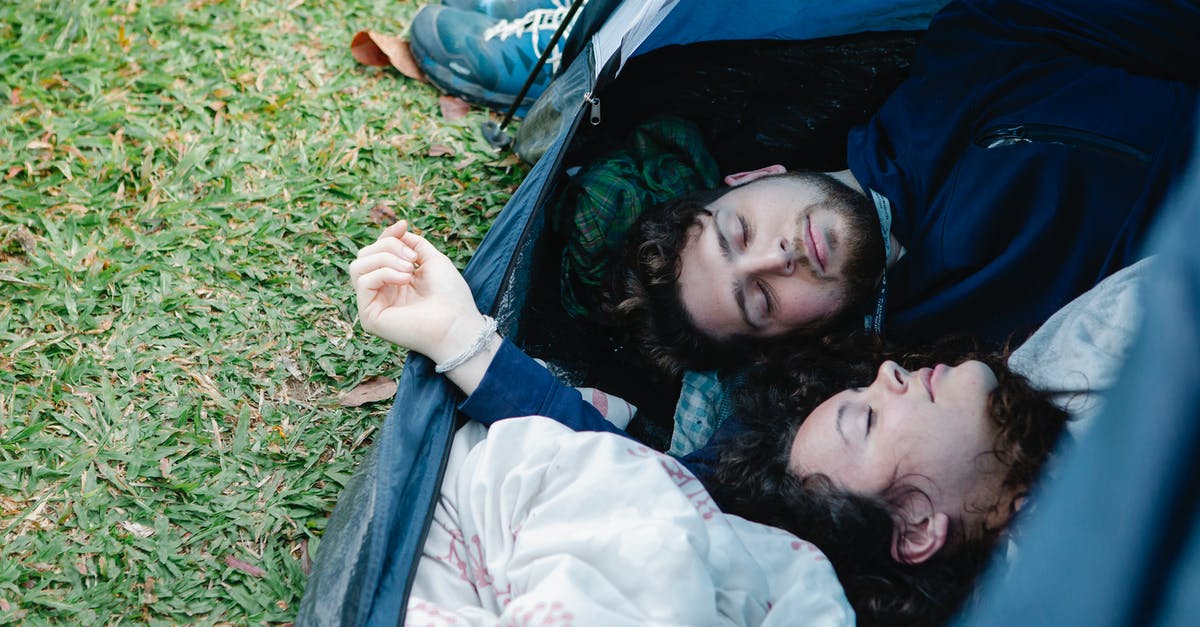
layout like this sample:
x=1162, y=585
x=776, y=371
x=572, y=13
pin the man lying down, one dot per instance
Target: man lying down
x=904, y=475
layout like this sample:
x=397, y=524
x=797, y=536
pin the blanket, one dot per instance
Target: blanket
x=537, y=524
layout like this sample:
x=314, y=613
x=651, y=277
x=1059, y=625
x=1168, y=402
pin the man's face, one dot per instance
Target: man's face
x=771, y=257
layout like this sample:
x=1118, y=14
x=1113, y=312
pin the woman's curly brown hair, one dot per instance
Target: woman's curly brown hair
x=854, y=530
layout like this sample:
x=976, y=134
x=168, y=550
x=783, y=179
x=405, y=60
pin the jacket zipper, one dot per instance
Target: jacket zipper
x=997, y=137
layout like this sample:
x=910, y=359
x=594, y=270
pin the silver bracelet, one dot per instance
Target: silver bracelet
x=481, y=342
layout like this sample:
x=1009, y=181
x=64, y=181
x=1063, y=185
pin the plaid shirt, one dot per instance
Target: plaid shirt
x=662, y=158
x=704, y=405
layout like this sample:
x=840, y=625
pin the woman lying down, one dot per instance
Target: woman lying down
x=897, y=487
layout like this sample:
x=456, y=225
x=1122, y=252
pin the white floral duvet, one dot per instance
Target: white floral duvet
x=539, y=525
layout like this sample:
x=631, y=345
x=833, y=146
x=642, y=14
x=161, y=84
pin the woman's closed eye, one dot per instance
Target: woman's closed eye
x=744, y=232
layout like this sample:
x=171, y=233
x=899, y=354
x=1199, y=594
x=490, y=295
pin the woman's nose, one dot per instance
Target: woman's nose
x=892, y=377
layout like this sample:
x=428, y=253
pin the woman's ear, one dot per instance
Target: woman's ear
x=917, y=541
x=741, y=178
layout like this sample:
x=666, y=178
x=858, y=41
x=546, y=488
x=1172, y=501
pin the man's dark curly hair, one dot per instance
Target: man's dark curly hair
x=642, y=291
x=855, y=530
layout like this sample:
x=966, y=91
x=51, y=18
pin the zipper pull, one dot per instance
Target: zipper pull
x=1006, y=137
x=593, y=108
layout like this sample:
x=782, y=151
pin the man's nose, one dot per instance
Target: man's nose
x=778, y=257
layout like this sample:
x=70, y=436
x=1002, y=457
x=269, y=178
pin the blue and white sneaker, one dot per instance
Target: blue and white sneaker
x=504, y=9
x=485, y=60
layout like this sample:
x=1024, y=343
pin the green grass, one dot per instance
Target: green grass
x=181, y=188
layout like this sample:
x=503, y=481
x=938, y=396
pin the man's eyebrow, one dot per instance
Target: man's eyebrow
x=841, y=413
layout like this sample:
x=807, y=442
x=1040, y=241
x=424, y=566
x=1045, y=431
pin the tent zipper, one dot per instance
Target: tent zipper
x=593, y=103
x=997, y=137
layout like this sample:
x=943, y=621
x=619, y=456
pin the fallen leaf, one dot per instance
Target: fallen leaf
x=369, y=391
x=164, y=467
x=290, y=365
x=378, y=49
x=453, y=108
x=25, y=239
x=13, y=171
x=382, y=214
x=14, y=99
x=245, y=567
x=305, y=560
x=440, y=150
x=511, y=160
x=4, y=606
x=137, y=529
x=42, y=567
x=366, y=51
x=38, y=144
x=102, y=327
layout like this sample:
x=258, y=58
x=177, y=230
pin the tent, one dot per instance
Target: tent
x=625, y=51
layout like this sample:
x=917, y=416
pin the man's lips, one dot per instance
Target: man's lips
x=816, y=244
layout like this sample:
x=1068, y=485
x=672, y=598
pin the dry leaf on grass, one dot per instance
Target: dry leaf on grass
x=453, y=108
x=305, y=560
x=369, y=391
x=382, y=214
x=137, y=529
x=245, y=567
x=26, y=239
x=507, y=162
x=290, y=365
x=377, y=49
x=440, y=150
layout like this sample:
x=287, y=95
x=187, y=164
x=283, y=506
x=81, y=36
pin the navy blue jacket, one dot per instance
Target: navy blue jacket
x=1026, y=154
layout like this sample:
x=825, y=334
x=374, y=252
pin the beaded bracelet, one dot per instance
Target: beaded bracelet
x=481, y=342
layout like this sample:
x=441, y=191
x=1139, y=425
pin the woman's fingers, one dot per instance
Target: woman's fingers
x=363, y=265
x=389, y=245
x=425, y=251
x=380, y=278
x=395, y=231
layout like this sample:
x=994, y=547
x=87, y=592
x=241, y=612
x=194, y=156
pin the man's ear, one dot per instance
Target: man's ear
x=920, y=540
x=741, y=178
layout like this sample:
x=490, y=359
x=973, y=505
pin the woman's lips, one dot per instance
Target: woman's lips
x=926, y=375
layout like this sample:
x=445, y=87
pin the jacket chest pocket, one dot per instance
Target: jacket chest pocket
x=1015, y=134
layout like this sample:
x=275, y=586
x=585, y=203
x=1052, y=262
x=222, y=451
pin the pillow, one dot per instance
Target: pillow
x=1077, y=354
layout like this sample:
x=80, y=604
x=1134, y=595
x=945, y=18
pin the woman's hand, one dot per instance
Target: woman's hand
x=411, y=294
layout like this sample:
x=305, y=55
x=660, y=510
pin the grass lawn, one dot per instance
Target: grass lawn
x=183, y=184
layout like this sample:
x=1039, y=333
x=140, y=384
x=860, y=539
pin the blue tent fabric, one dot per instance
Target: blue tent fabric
x=696, y=21
x=1115, y=538
x=366, y=558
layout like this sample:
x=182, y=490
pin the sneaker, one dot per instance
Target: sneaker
x=485, y=60
x=504, y=9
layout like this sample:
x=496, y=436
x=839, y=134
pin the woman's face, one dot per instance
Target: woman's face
x=929, y=428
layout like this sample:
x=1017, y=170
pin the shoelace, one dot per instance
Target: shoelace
x=534, y=22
